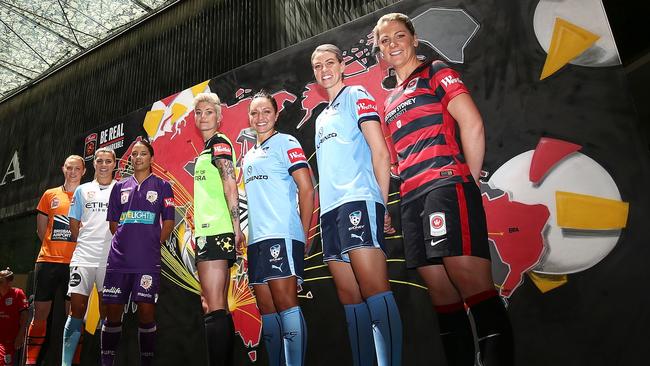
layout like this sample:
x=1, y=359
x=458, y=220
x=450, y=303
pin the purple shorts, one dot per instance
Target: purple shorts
x=142, y=287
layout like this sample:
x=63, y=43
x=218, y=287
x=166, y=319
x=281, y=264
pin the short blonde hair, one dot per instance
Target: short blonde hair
x=328, y=47
x=105, y=150
x=211, y=98
x=398, y=17
x=75, y=157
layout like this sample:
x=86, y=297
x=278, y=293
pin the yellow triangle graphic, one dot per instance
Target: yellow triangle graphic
x=199, y=88
x=152, y=121
x=177, y=111
x=92, y=313
x=545, y=282
x=584, y=212
x=569, y=41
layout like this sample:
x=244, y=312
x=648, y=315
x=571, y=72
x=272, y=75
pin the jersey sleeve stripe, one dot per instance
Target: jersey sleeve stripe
x=372, y=117
x=295, y=167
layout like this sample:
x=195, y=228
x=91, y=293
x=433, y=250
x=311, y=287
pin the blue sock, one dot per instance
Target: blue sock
x=272, y=333
x=386, y=328
x=294, y=332
x=71, y=335
x=360, y=334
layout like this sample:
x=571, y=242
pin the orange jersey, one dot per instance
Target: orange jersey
x=57, y=246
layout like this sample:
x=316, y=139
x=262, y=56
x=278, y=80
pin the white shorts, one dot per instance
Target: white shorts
x=82, y=280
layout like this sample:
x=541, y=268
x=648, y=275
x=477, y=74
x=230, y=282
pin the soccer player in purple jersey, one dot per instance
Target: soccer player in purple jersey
x=141, y=218
x=354, y=176
x=445, y=231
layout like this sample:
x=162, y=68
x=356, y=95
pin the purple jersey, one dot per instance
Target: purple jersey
x=139, y=210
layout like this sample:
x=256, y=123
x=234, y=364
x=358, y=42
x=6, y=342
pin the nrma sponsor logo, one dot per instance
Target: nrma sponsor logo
x=137, y=217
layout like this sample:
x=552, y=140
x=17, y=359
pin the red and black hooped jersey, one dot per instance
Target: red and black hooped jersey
x=424, y=132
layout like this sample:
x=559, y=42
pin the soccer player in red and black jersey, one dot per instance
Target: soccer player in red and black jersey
x=443, y=220
x=13, y=318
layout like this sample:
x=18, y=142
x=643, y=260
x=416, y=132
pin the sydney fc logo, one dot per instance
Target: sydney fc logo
x=275, y=251
x=355, y=218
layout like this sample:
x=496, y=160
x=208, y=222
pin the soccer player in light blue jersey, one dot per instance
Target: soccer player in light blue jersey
x=276, y=172
x=354, y=174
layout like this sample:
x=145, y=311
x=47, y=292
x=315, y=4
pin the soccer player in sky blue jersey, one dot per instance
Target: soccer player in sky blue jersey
x=141, y=217
x=354, y=174
x=275, y=173
x=89, y=228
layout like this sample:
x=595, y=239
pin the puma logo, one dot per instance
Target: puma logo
x=279, y=268
x=360, y=237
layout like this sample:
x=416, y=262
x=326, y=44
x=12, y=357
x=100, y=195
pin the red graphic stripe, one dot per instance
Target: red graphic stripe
x=464, y=220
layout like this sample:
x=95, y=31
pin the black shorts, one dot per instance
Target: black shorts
x=216, y=247
x=448, y=221
x=50, y=278
x=273, y=259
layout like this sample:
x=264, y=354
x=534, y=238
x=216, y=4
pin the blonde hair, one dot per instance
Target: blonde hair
x=105, y=150
x=397, y=17
x=328, y=47
x=76, y=157
x=211, y=98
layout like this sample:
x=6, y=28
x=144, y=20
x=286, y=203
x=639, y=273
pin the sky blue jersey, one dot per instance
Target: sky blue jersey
x=344, y=159
x=271, y=190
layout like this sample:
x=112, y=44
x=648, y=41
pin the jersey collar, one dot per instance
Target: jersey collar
x=426, y=63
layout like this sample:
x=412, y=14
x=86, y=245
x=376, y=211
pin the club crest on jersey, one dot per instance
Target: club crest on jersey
x=152, y=196
x=411, y=86
x=275, y=251
x=169, y=202
x=219, y=149
x=249, y=170
x=9, y=301
x=437, y=224
x=146, y=281
x=55, y=203
x=296, y=154
x=355, y=218
x=90, y=195
x=201, y=241
x=366, y=106
x=124, y=197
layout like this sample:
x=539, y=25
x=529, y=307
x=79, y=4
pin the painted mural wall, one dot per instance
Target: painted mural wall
x=562, y=183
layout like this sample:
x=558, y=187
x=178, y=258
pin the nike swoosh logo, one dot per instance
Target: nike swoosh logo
x=434, y=243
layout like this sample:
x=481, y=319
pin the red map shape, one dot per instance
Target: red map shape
x=516, y=230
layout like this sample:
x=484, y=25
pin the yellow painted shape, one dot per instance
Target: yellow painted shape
x=152, y=121
x=583, y=212
x=568, y=42
x=92, y=313
x=178, y=110
x=199, y=88
x=546, y=282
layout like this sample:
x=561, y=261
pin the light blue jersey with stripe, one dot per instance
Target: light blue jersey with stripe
x=345, y=171
x=271, y=190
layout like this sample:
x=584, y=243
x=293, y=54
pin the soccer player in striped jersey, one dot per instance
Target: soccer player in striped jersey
x=276, y=172
x=445, y=231
x=216, y=225
x=141, y=217
x=90, y=229
x=354, y=174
